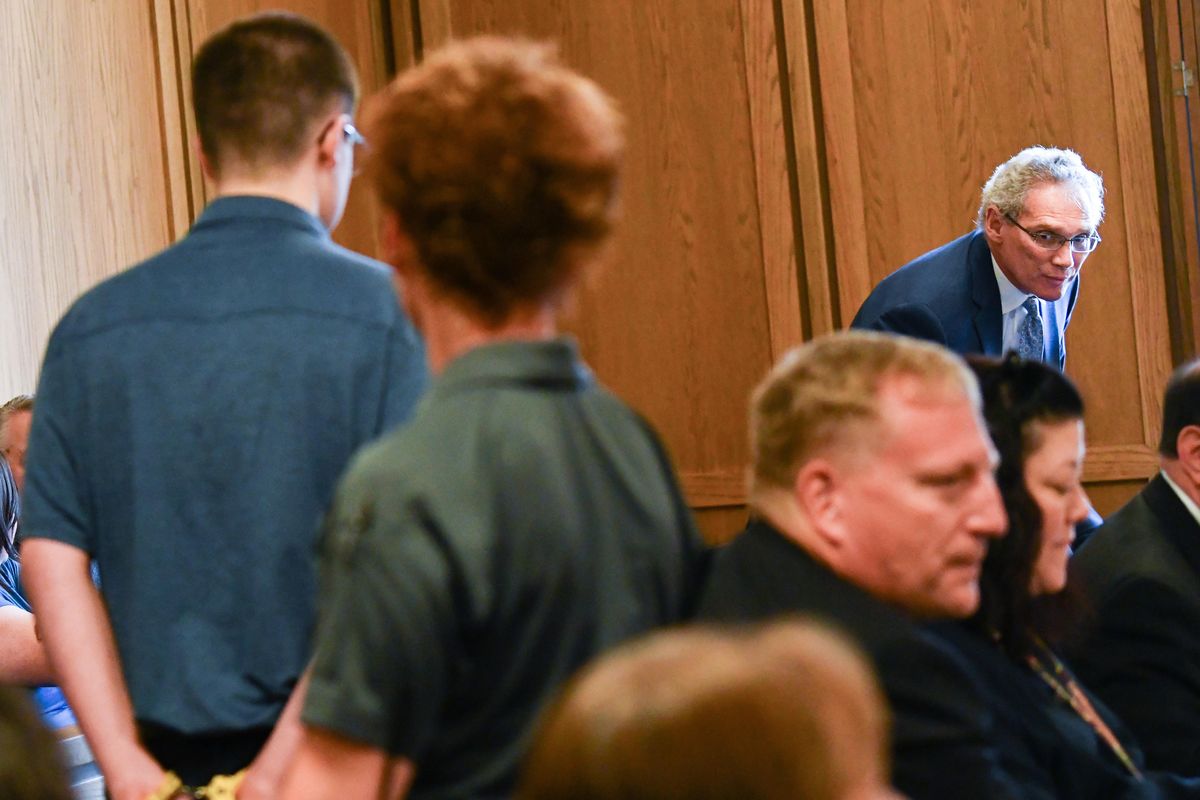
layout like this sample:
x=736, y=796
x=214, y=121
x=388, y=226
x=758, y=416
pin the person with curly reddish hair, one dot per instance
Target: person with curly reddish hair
x=526, y=520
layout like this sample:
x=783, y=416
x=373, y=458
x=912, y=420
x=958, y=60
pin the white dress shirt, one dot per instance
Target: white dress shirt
x=1012, y=310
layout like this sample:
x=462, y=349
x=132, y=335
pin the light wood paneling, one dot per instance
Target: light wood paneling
x=85, y=190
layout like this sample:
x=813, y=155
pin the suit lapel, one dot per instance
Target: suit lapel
x=1174, y=520
x=986, y=297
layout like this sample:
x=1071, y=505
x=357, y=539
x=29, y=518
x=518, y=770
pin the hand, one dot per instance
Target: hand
x=256, y=784
x=138, y=777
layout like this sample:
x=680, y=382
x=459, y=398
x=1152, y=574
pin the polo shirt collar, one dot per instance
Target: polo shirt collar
x=253, y=208
x=551, y=364
x=1011, y=297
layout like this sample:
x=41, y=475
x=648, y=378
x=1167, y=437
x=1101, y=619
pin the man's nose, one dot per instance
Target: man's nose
x=1063, y=256
x=989, y=517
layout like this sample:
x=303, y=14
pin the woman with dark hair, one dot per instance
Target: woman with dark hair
x=1053, y=735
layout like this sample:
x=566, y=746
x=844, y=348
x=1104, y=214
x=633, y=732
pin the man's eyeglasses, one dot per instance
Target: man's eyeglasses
x=358, y=142
x=352, y=135
x=1049, y=240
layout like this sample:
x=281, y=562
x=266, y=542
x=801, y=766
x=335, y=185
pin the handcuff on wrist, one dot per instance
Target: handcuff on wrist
x=221, y=787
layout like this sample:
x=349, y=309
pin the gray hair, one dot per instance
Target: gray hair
x=1010, y=183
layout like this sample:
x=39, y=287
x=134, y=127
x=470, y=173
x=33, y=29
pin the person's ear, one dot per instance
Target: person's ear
x=329, y=143
x=1187, y=444
x=206, y=165
x=993, y=224
x=818, y=490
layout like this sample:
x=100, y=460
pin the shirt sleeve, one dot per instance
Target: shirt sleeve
x=55, y=503
x=11, y=591
x=387, y=635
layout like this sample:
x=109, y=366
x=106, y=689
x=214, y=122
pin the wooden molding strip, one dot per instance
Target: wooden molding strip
x=1119, y=462
x=173, y=52
x=769, y=142
x=807, y=158
x=836, y=72
x=714, y=489
x=1140, y=203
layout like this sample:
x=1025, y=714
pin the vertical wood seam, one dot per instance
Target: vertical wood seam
x=171, y=122
x=1148, y=292
x=840, y=129
x=787, y=104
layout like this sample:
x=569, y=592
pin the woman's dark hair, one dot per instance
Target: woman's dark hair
x=1018, y=396
x=10, y=510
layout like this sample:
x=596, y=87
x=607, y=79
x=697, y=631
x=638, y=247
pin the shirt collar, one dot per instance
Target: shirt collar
x=552, y=363
x=253, y=208
x=1188, y=502
x=1011, y=297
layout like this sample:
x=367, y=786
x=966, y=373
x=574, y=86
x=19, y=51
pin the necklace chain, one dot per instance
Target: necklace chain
x=1069, y=691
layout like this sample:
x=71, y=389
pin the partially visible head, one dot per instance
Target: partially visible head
x=1181, y=408
x=789, y=710
x=1180, y=442
x=268, y=90
x=1035, y=417
x=30, y=768
x=1053, y=196
x=497, y=168
x=10, y=512
x=15, y=418
x=871, y=449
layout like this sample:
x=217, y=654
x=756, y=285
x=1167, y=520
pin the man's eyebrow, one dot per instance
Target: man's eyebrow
x=946, y=476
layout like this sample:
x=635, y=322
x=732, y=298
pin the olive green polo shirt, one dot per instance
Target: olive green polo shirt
x=525, y=521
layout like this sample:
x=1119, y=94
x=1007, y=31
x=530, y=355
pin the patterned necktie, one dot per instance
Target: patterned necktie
x=1029, y=333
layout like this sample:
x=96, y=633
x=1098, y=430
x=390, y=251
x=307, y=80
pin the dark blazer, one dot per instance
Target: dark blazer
x=1141, y=654
x=940, y=746
x=950, y=296
x=1045, y=745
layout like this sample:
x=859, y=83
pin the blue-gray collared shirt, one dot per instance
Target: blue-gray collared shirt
x=193, y=415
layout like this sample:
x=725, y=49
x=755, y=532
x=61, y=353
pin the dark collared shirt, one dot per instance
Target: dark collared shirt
x=193, y=416
x=525, y=521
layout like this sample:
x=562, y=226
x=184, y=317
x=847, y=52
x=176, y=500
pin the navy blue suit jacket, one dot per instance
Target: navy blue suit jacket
x=1141, y=655
x=950, y=296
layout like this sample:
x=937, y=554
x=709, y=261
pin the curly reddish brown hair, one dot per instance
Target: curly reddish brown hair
x=501, y=166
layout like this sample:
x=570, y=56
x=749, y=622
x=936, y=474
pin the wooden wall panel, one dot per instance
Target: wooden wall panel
x=85, y=190
x=680, y=320
x=930, y=95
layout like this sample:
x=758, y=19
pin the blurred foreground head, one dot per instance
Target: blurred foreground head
x=790, y=710
x=497, y=169
x=30, y=766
